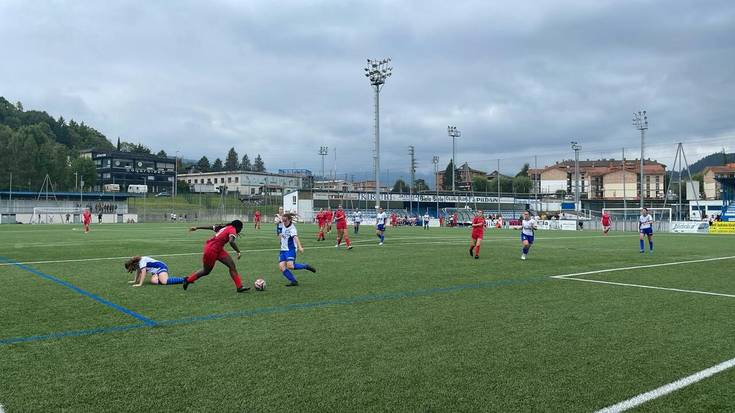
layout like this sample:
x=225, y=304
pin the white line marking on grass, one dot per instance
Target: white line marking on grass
x=650, y=287
x=666, y=264
x=668, y=388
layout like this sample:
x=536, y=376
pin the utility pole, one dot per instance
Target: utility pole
x=576, y=148
x=640, y=122
x=454, y=134
x=497, y=178
x=377, y=71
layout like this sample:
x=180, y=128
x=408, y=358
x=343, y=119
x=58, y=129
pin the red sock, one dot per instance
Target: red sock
x=477, y=250
x=193, y=277
x=347, y=241
x=237, y=280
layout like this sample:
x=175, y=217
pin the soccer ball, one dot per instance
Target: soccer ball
x=259, y=284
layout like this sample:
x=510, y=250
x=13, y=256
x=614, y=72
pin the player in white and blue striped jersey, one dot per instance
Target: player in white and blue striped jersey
x=645, y=228
x=380, y=225
x=289, y=237
x=158, y=271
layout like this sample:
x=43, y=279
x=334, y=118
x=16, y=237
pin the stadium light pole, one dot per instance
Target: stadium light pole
x=640, y=122
x=323, y=151
x=377, y=71
x=435, y=161
x=454, y=134
x=576, y=147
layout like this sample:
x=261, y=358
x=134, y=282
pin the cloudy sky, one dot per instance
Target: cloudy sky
x=282, y=78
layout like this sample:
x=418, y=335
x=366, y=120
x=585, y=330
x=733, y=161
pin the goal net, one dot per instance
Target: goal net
x=626, y=219
x=55, y=215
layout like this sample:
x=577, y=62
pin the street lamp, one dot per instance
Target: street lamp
x=454, y=134
x=640, y=122
x=377, y=71
x=576, y=147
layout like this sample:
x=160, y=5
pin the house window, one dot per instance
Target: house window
x=229, y=179
x=237, y=179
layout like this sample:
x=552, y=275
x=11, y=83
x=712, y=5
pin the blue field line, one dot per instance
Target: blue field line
x=283, y=309
x=72, y=333
x=73, y=287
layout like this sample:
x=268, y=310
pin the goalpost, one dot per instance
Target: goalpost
x=626, y=219
x=54, y=215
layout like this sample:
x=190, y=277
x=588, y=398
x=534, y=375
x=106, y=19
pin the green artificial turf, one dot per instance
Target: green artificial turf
x=414, y=325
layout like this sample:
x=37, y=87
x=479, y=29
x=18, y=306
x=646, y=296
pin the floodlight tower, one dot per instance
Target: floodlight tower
x=640, y=122
x=377, y=71
x=454, y=134
x=576, y=148
x=323, y=151
x=435, y=161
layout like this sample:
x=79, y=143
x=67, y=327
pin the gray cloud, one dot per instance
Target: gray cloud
x=283, y=78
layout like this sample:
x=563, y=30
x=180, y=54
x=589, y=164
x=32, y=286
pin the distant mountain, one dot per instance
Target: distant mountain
x=715, y=159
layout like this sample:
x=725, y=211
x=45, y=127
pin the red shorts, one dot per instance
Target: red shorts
x=211, y=256
x=342, y=225
x=477, y=235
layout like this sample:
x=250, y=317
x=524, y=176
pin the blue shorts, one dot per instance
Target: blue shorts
x=380, y=227
x=289, y=255
x=647, y=231
x=528, y=238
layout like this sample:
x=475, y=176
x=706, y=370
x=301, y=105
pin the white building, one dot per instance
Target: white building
x=244, y=182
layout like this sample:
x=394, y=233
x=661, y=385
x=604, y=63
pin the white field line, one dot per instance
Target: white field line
x=248, y=237
x=666, y=264
x=668, y=388
x=441, y=241
x=650, y=287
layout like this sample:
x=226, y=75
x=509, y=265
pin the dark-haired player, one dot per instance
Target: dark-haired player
x=158, y=271
x=214, y=250
x=289, y=244
x=478, y=231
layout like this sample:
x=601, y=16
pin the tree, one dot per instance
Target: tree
x=232, y=161
x=480, y=184
x=182, y=187
x=258, y=165
x=506, y=184
x=524, y=170
x=420, y=185
x=86, y=170
x=162, y=154
x=19, y=106
x=400, y=186
x=203, y=164
x=522, y=184
x=134, y=148
x=245, y=165
x=217, y=165
x=447, y=179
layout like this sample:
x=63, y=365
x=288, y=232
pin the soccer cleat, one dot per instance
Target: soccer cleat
x=243, y=289
x=310, y=268
x=293, y=284
x=523, y=257
x=477, y=257
x=380, y=243
x=185, y=284
x=350, y=247
x=643, y=251
x=336, y=246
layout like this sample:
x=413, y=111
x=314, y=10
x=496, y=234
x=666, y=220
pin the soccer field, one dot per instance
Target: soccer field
x=414, y=325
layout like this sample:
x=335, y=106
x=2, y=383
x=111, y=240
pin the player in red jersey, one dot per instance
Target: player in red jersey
x=478, y=230
x=328, y=218
x=393, y=219
x=455, y=218
x=321, y=220
x=257, y=219
x=86, y=220
x=606, y=222
x=214, y=250
x=340, y=219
